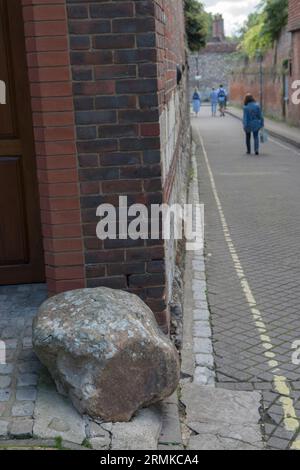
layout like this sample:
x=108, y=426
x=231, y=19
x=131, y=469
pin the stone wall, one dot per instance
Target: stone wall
x=214, y=64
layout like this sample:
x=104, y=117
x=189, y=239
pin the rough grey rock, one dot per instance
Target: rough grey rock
x=105, y=351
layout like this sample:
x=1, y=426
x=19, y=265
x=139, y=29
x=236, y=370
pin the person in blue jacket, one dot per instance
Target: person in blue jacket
x=222, y=100
x=253, y=121
x=196, y=101
x=214, y=99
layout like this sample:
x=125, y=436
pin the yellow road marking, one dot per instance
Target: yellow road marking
x=291, y=422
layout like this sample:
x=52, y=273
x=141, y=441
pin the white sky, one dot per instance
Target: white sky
x=235, y=12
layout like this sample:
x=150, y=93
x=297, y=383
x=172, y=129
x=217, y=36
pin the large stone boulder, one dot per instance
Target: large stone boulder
x=105, y=351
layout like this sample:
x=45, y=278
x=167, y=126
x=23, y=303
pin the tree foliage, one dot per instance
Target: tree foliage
x=263, y=27
x=198, y=24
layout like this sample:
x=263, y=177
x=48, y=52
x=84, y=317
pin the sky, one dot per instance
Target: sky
x=235, y=12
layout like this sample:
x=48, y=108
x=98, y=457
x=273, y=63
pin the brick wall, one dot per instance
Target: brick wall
x=294, y=15
x=276, y=75
x=294, y=26
x=109, y=120
x=120, y=88
x=53, y=118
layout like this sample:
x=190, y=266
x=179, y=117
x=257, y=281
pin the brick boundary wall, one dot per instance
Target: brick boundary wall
x=102, y=74
x=114, y=69
x=48, y=61
x=276, y=77
x=294, y=27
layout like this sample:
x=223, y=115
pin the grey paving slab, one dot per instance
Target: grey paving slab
x=142, y=433
x=222, y=419
x=54, y=416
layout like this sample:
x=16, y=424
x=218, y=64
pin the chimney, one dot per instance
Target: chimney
x=218, y=28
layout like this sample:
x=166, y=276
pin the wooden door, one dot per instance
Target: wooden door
x=21, y=254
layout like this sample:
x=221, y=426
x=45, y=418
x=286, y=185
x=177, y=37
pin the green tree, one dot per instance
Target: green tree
x=263, y=27
x=197, y=24
x=276, y=17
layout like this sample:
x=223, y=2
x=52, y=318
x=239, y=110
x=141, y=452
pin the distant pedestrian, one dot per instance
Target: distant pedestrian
x=214, y=101
x=196, y=101
x=222, y=100
x=253, y=121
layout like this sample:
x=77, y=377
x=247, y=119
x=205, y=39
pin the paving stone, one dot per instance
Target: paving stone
x=26, y=394
x=3, y=428
x=202, y=329
x=212, y=437
x=27, y=342
x=171, y=431
x=8, y=333
x=3, y=407
x=5, y=381
x=6, y=369
x=23, y=409
x=204, y=376
x=29, y=367
x=142, y=433
x=202, y=345
x=201, y=315
x=101, y=443
x=25, y=380
x=55, y=415
x=222, y=419
x=170, y=448
x=5, y=395
x=200, y=295
x=21, y=428
x=205, y=360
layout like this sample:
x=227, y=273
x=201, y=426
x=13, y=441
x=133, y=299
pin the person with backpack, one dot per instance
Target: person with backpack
x=214, y=102
x=253, y=122
x=222, y=100
x=196, y=101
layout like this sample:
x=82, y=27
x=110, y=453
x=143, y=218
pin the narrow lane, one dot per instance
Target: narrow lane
x=252, y=224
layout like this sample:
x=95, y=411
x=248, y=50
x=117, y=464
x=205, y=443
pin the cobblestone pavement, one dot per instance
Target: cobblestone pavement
x=19, y=376
x=252, y=231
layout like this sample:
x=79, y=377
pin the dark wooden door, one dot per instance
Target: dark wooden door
x=21, y=255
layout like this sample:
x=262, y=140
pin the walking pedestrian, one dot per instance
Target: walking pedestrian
x=214, y=101
x=196, y=101
x=253, y=122
x=222, y=99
